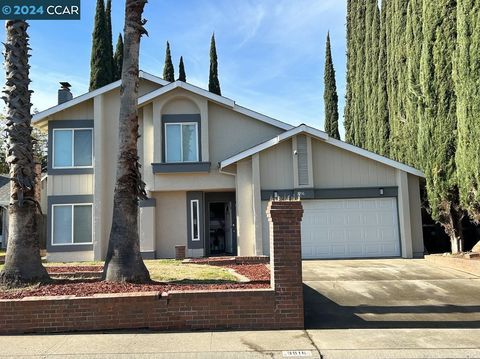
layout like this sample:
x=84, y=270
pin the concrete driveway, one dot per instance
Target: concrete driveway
x=388, y=293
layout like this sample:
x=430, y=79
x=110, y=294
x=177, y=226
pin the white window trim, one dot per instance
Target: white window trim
x=198, y=220
x=73, y=147
x=181, y=141
x=72, y=205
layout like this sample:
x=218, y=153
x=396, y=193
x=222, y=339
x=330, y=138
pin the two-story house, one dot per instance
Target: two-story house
x=210, y=167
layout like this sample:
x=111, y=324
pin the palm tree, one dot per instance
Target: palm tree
x=124, y=262
x=23, y=264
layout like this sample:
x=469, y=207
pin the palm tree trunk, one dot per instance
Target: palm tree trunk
x=124, y=262
x=22, y=263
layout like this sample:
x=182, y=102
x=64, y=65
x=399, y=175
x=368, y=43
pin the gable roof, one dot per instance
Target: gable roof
x=89, y=95
x=327, y=139
x=225, y=101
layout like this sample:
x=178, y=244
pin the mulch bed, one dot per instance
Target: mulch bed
x=87, y=289
x=254, y=272
x=258, y=274
x=74, y=269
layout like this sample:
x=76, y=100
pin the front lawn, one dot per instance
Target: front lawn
x=83, y=279
x=168, y=270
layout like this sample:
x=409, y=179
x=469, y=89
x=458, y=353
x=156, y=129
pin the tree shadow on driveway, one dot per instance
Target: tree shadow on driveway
x=323, y=313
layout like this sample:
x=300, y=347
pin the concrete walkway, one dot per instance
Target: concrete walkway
x=331, y=344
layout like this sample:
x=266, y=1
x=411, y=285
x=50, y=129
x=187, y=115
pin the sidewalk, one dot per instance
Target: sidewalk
x=332, y=344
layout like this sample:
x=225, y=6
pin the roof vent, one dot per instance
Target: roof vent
x=64, y=93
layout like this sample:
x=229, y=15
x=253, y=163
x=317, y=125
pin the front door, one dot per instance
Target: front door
x=220, y=223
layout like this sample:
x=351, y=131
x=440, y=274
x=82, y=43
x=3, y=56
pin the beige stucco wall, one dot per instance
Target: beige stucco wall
x=245, y=209
x=415, y=215
x=171, y=220
x=82, y=111
x=224, y=133
x=232, y=132
x=77, y=256
x=276, y=167
x=334, y=167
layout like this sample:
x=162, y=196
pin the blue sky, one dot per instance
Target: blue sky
x=271, y=52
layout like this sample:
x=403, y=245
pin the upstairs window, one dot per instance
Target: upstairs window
x=181, y=142
x=72, y=148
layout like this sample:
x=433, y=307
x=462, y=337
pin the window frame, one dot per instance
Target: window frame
x=73, y=129
x=72, y=206
x=181, y=124
x=198, y=238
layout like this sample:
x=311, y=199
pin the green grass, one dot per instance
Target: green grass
x=170, y=270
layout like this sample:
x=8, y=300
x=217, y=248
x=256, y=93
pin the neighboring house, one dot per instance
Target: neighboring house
x=210, y=167
x=4, y=201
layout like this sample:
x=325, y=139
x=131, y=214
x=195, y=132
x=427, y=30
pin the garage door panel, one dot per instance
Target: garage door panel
x=350, y=228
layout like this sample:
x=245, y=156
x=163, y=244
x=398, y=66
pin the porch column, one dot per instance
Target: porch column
x=147, y=228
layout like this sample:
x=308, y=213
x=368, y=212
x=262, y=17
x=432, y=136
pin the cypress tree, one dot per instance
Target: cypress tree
x=330, y=96
x=168, y=71
x=213, y=83
x=118, y=59
x=413, y=105
x=359, y=86
x=381, y=140
x=351, y=64
x=181, y=71
x=101, y=62
x=438, y=123
x=108, y=20
x=467, y=80
x=371, y=73
x=396, y=75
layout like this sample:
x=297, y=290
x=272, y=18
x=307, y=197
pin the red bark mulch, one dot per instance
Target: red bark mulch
x=258, y=274
x=254, y=272
x=74, y=269
x=89, y=288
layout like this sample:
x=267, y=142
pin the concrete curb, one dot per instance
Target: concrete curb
x=471, y=266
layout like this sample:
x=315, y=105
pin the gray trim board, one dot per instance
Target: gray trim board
x=149, y=202
x=332, y=193
x=181, y=119
x=201, y=222
x=182, y=167
x=59, y=124
x=65, y=200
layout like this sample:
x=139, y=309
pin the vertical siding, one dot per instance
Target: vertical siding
x=336, y=168
x=302, y=155
x=276, y=167
x=66, y=185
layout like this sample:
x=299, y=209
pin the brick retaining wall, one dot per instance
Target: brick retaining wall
x=280, y=307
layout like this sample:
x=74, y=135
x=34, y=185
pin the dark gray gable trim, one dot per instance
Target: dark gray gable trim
x=331, y=193
x=65, y=200
x=180, y=119
x=183, y=167
x=66, y=124
x=150, y=202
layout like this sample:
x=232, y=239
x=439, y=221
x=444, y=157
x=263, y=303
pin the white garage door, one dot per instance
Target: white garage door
x=350, y=228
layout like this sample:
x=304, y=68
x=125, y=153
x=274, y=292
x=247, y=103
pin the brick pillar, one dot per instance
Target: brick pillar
x=285, y=219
